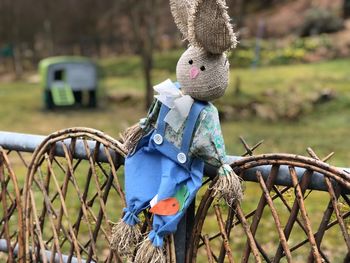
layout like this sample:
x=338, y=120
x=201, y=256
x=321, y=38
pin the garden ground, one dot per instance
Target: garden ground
x=323, y=126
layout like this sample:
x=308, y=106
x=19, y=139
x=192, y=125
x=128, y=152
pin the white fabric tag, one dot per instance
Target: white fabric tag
x=167, y=101
x=167, y=87
x=154, y=201
x=183, y=105
x=179, y=104
x=174, y=119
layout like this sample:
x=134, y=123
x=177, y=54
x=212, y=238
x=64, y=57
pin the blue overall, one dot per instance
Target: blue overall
x=158, y=167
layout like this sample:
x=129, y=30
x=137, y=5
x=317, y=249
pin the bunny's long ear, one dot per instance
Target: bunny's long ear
x=209, y=26
x=180, y=10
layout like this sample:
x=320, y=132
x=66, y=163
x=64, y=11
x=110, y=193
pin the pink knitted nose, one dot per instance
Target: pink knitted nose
x=194, y=71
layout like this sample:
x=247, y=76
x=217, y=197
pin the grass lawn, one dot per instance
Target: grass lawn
x=324, y=127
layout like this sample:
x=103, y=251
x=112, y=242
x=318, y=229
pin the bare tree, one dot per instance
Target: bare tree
x=346, y=9
x=143, y=17
x=237, y=11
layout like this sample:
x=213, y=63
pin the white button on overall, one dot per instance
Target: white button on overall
x=158, y=139
x=181, y=157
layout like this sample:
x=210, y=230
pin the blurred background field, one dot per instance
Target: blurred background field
x=290, y=107
x=289, y=75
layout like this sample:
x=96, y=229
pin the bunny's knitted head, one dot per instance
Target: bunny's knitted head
x=203, y=70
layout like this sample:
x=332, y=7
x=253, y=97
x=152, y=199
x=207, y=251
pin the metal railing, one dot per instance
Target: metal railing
x=28, y=143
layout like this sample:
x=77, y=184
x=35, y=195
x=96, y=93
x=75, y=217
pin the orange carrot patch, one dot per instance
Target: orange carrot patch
x=166, y=207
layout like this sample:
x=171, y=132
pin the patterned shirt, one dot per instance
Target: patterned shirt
x=207, y=142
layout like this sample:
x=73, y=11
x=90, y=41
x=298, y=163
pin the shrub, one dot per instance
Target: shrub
x=318, y=21
x=274, y=52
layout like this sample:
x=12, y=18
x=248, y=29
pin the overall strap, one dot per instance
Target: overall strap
x=196, y=109
x=160, y=122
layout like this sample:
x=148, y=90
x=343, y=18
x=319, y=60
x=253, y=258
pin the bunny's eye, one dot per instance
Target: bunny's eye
x=202, y=68
x=190, y=62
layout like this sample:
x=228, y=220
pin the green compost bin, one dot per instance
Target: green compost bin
x=68, y=81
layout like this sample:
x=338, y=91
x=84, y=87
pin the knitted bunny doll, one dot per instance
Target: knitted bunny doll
x=181, y=132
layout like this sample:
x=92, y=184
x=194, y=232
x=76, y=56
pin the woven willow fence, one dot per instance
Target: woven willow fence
x=58, y=203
